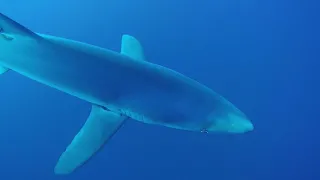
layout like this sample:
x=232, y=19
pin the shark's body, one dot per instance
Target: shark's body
x=118, y=85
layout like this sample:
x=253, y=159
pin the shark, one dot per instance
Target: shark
x=120, y=86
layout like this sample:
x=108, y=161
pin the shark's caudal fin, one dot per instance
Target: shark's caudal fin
x=131, y=47
x=100, y=126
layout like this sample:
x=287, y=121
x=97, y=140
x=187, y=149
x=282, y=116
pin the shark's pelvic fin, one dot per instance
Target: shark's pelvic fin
x=100, y=126
x=3, y=69
x=131, y=47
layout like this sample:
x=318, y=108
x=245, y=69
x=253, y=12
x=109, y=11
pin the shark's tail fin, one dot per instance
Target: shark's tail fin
x=9, y=28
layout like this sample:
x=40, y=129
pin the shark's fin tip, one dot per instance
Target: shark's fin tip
x=100, y=126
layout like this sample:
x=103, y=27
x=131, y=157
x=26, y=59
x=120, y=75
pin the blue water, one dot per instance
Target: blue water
x=261, y=55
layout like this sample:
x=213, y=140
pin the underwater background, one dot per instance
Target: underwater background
x=261, y=55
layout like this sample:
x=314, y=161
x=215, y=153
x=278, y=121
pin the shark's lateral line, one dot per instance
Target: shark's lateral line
x=119, y=86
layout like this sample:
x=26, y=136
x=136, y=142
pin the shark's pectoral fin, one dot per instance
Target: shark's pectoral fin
x=98, y=129
x=3, y=69
x=131, y=47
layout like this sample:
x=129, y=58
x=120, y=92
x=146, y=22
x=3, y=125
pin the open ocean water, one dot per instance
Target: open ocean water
x=261, y=55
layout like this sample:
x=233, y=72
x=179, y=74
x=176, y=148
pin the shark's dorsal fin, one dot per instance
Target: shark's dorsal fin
x=131, y=47
x=11, y=27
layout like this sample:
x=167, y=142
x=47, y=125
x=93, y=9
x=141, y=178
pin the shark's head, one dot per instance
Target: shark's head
x=228, y=120
x=230, y=123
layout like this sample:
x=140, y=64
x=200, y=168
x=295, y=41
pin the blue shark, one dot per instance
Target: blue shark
x=120, y=86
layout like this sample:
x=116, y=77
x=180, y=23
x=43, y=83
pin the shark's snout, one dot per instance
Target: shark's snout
x=232, y=122
x=239, y=123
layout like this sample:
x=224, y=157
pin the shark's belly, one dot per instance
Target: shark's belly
x=156, y=102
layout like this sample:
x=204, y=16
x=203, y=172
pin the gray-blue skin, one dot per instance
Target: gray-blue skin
x=118, y=85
